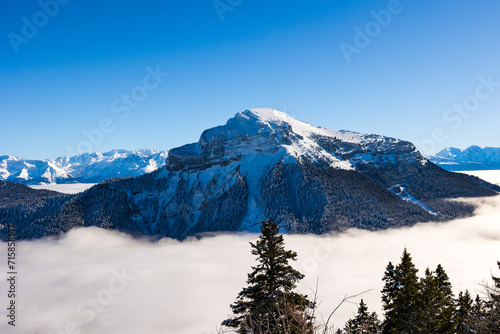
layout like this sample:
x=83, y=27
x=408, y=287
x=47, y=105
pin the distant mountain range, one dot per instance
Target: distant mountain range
x=84, y=168
x=97, y=167
x=262, y=163
x=472, y=158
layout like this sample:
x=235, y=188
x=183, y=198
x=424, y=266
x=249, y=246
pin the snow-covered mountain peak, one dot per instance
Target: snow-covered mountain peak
x=474, y=157
x=265, y=115
x=86, y=167
x=273, y=118
x=268, y=133
x=273, y=134
x=262, y=163
x=278, y=120
x=449, y=152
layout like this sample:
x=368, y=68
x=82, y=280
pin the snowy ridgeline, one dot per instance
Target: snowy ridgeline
x=83, y=168
x=262, y=163
x=472, y=158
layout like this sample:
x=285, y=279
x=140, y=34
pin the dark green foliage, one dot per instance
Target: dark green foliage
x=429, y=182
x=473, y=315
x=310, y=198
x=464, y=315
x=437, y=309
x=268, y=304
x=417, y=307
x=429, y=302
x=28, y=210
x=364, y=322
x=14, y=194
x=447, y=309
x=428, y=306
x=400, y=296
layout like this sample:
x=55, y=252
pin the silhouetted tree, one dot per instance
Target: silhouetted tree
x=464, y=323
x=399, y=296
x=268, y=304
x=364, y=322
x=437, y=310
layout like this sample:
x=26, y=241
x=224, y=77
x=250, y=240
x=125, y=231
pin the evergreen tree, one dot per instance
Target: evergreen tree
x=447, y=316
x=400, y=296
x=478, y=308
x=364, y=322
x=429, y=303
x=268, y=304
x=388, y=297
x=437, y=311
x=478, y=317
x=491, y=309
x=495, y=295
x=464, y=310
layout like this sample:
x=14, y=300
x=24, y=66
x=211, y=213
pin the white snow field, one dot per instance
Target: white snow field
x=96, y=281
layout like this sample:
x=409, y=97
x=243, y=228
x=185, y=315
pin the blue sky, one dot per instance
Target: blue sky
x=424, y=71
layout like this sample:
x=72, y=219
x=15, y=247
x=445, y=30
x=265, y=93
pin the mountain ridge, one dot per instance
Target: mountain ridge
x=84, y=168
x=472, y=158
x=263, y=163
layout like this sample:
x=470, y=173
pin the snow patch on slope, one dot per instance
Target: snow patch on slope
x=24, y=174
x=404, y=194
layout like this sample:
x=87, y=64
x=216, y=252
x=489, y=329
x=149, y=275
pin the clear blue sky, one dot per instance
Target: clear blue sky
x=74, y=70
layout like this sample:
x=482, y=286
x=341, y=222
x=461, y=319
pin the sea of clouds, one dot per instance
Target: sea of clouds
x=96, y=281
x=68, y=188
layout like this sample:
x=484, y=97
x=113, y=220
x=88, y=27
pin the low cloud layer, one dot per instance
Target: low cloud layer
x=97, y=281
x=69, y=188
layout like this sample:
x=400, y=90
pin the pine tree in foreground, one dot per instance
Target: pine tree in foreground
x=447, y=312
x=437, y=309
x=364, y=322
x=399, y=297
x=429, y=302
x=464, y=313
x=473, y=316
x=490, y=311
x=268, y=304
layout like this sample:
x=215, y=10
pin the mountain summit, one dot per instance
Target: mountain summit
x=273, y=135
x=263, y=163
x=472, y=158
